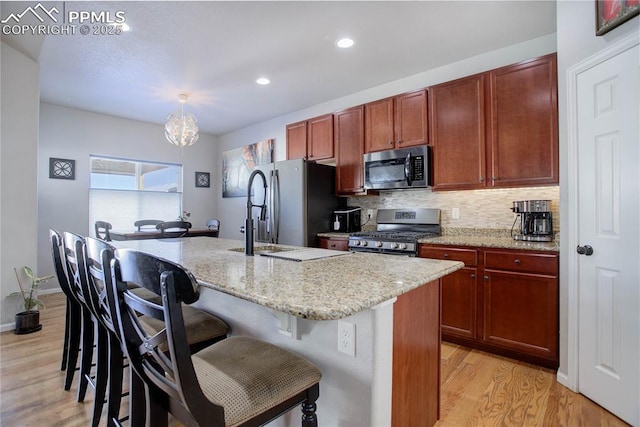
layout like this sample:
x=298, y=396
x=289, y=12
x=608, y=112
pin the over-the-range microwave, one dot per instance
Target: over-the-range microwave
x=401, y=168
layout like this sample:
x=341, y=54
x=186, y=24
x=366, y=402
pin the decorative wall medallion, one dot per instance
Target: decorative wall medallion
x=62, y=168
x=203, y=179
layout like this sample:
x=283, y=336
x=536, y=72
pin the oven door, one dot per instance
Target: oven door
x=355, y=245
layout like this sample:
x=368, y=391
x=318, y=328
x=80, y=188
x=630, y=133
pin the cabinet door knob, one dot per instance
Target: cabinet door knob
x=486, y=277
x=390, y=142
x=333, y=245
x=517, y=261
x=482, y=179
x=446, y=255
x=473, y=276
x=399, y=142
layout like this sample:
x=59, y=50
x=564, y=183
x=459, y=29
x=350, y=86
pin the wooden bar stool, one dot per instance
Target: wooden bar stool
x=203, y=328
x=237, y=381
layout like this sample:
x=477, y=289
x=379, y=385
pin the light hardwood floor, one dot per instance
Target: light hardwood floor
x=478, y=389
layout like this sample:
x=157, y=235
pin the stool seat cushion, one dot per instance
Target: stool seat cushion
x=247, y=376
x=199, y=325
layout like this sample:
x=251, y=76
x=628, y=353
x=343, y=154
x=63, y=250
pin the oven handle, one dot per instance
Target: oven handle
x=407, y=169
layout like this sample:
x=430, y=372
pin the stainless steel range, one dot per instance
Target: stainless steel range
x=398, y=231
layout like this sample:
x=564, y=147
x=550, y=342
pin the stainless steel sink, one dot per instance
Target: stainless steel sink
x=264, y=249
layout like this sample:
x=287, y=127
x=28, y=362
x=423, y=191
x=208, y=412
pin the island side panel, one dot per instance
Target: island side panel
x=416, y=357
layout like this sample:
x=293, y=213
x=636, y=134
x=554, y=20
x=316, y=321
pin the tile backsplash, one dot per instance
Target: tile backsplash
x=477, y=208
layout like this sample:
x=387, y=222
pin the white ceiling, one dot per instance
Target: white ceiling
x=214, y=51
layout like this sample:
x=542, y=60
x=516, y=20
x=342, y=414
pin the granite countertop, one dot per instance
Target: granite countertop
x=479, y=237
x=321, y=289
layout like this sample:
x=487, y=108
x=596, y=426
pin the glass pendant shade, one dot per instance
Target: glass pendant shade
x=181, y=129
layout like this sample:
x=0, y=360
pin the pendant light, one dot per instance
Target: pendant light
x=181, y=129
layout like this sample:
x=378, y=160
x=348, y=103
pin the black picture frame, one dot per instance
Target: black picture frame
x=62, y=168
x=612, y=13
x=203, y=179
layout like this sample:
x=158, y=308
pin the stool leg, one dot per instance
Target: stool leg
x=65, y=346
x=88, y=331
x=102, y=375
x=137, y=404
x=157, y=413
x=115, y=381
x=75, y=334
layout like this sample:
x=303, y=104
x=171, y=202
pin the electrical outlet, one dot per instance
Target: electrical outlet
x=347, y=338
x=455, y=213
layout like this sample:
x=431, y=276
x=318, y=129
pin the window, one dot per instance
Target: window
x=123, y=191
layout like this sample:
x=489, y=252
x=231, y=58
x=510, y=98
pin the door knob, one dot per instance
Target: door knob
x=585, y=250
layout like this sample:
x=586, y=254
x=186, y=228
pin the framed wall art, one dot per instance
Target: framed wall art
x=237, y=165
x=62, y=168
x=203, y=179
x=611, y=13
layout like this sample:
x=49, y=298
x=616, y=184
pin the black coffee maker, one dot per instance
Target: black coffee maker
x=536, y=221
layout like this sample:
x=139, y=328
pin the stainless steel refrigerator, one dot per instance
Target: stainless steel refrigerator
x=300, y=201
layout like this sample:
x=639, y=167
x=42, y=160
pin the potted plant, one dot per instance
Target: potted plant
x=28, y=320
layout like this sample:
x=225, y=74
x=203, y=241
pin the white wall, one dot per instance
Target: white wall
x=75, y=134
x=576, y=42
x=18, y=159
x=231, y=211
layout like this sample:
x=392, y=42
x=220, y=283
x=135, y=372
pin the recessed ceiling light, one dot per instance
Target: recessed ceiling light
x=345, y=43
x=263, y=81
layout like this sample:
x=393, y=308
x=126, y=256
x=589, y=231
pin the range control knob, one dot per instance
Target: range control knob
x=394, y=245
x=378, y=244
x=356, y=243
x=364, y=243
x=403, y=246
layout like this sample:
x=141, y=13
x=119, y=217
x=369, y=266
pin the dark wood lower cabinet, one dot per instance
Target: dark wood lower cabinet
x=503, y=301
x=337, y=244
x=521, y=312
x=459, y=294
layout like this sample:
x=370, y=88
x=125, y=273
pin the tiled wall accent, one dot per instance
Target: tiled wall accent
x=478, y=208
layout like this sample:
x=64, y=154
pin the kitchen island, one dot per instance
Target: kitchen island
x=387, y=309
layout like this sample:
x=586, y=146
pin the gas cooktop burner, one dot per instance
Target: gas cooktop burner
x=398, y=231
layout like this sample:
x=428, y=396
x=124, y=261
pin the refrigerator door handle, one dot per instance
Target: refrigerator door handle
x=275, y=204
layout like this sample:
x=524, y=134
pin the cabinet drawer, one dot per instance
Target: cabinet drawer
x=468, y=256
x=335, y=244
x=520, y=261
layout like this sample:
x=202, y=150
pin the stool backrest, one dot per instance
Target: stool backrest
x=59, y=264
x=171, y=371
x=95, y=253
x=72, y=249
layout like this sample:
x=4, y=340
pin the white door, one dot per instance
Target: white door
x=609, y=218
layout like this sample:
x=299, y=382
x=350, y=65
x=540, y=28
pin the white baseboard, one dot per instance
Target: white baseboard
x=11, y=326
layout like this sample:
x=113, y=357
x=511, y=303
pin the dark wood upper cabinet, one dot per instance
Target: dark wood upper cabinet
x=349, y=150
x=457, y=114
x=297, y=140
x=399, y=121
x=378, y=120
x=411, y=125
x=497, y=129
x=311, y=139
x=524, y=123
x=320, y=137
